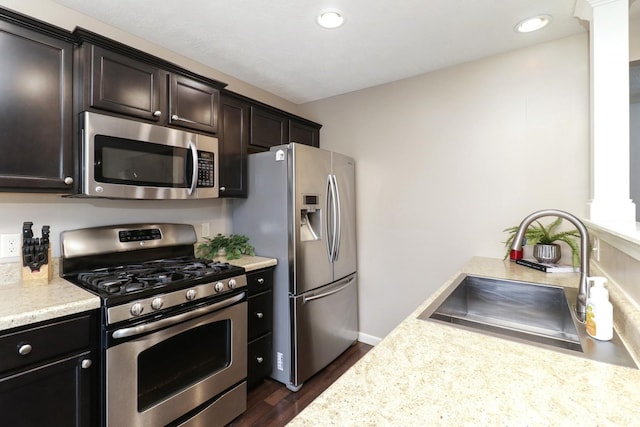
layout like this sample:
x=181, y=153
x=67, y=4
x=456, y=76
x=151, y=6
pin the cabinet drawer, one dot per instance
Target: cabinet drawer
x=260, y=281
x=259, y=361
x=260, y=314
x=30, y=346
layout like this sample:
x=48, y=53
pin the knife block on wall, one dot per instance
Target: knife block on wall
x=43, y=275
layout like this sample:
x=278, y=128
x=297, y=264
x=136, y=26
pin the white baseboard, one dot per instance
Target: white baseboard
x=368, y=339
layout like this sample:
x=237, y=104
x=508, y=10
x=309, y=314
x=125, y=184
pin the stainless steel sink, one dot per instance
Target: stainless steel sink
x=527, y=312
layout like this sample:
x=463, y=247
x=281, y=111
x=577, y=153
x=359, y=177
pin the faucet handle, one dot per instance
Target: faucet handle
x=516, y=254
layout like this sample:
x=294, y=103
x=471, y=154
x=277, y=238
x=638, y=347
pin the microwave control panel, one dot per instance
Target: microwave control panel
x=206, y=172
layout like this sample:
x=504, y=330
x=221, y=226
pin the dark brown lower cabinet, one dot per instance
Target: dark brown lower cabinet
x=54, y=394
x=48, y=374
x=260, y=312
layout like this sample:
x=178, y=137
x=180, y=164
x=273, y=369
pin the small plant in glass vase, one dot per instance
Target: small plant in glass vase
x=543, y=239
x=233, y=246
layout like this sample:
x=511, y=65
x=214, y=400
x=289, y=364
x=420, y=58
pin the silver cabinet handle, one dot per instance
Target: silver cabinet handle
x=223, y=189
x=259, y=359
x=176, y=117
x=260, y=281
x=86, y=363
x=259, y=315
x=25, y=349
x=68, y=180
x=157, y=113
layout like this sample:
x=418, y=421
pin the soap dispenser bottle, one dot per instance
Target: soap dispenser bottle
x=599, y=310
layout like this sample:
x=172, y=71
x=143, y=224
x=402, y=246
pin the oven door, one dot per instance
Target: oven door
x=175, y=366
x=133, y=160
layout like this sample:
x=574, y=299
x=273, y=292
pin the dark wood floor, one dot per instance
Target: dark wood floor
x=271, y=404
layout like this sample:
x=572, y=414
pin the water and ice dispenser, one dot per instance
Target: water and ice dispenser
x=310, y=218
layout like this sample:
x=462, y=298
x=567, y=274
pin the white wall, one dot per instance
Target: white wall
x=70, y=213
x=447, y=160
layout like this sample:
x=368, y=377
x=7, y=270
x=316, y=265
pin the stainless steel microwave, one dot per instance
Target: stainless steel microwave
x=127, y=159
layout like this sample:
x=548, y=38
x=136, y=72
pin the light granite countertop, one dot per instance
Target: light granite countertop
x=24, y=303
x=250, y=263
x=429, y=374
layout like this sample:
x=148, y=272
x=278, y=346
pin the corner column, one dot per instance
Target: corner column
x=609, y=63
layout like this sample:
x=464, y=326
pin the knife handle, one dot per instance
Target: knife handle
x=27, y=233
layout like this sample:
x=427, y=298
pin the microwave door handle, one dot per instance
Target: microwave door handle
x=194, y=174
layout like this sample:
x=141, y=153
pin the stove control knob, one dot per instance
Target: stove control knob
x=157, y=303
x=136, y=309
x=191, y=294
x=219, y=287
x=232, y=283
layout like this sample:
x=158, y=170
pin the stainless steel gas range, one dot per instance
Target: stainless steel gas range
x=174, y=327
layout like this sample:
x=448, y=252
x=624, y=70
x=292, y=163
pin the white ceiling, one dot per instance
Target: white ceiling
x=276, y=45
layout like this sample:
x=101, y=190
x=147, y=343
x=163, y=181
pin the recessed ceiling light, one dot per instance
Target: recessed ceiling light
x=532, y=24
x=331, y=18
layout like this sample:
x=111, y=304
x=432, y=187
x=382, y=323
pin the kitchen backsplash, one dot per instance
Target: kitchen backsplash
x=621, y=268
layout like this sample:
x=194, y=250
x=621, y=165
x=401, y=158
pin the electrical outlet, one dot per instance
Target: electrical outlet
x=280, y=361
x=205, y=230
x=9, y=245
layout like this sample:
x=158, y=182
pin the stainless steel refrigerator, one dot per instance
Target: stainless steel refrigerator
x=300, y=209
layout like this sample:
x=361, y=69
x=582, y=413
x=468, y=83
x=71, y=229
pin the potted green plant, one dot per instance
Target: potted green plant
x=233, y=246
x=543, y=238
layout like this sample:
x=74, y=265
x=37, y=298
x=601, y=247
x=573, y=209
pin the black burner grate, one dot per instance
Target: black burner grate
x=130, y=278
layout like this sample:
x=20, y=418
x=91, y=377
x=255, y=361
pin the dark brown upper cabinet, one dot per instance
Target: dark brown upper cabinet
x=193, y=104
x=122, y=80
x=124, y=85
x=233, y=141
x=304, y=133
x=270, y=127
x=36, y=107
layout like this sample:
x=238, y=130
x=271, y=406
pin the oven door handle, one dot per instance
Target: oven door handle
x=170, y=321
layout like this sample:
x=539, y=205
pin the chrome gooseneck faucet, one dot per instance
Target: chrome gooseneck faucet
x=516, y=251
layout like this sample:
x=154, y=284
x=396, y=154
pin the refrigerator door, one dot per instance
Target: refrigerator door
x=325, y=324
x=311, y=168
x=344, y=172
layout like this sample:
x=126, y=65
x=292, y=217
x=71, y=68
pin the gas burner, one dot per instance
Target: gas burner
x=126, y=279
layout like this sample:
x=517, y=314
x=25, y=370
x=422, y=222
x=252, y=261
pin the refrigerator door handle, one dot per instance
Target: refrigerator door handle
x=332, y=222
x=326, y=294
x=329, y=240
x=338, y=215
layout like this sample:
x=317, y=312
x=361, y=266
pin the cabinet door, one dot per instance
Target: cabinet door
x=55, y=394
x=259, y=359
x=260, y=312
x=304, y=133
x=35, y=105
x=233, y=141
x=126, y=86
x=268, y=128
x=194, y=105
